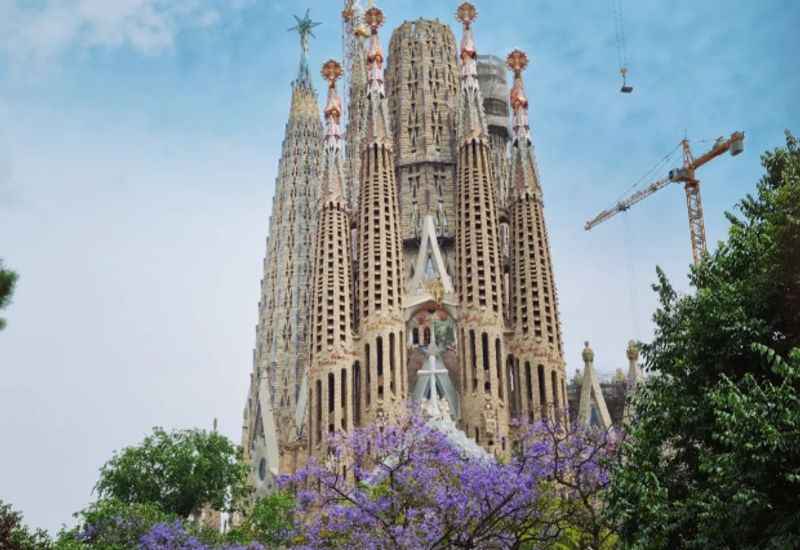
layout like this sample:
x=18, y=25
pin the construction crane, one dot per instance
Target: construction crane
x=685, y=174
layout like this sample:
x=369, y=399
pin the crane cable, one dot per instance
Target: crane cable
x=619, y=30
x=632, y=294
x=664, y=160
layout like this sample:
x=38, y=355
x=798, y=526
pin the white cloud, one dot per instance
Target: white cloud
x=36, y=35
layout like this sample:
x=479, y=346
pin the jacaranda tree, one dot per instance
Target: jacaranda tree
x=409, y=486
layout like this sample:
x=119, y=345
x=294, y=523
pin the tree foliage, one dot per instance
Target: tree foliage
x=270, y=521
x=7, y=281
x=408, y=486
x=15, y=535
x=179, y=471
x=713, y=458
x=110, y=524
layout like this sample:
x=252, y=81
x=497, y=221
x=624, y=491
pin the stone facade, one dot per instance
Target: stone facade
x=431, y=242
x=422, y=85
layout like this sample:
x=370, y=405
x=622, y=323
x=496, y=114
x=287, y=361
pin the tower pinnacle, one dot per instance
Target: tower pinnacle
x=332, y=169
x=472, y=123
x=377, y=116
x=303, y=28
x=517, y=61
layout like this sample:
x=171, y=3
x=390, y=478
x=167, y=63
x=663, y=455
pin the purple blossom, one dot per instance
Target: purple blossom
x=166, y=536
x=407, y=486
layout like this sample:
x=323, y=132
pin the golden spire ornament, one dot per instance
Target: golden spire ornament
x=466, y=13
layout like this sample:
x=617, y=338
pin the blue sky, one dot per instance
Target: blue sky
x=138, y=150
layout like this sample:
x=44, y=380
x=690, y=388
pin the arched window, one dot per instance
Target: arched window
x=319, y=411
x=528, y=383
x=392, y=364
x=331, y=400
x=357, y=394
x=554, y=385
x=343, y=398
x=487, y=373
x=498, y=354
x=402, y=343
x=473, y=360
x=542, y=392
x=368, y=375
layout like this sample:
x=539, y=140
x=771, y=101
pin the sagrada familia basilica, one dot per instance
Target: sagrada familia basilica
x=408, y=255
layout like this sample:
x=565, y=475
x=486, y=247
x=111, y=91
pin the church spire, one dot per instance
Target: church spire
x=333, y=377
x=304, y=28
x=633, y=379
x=471, y=120
x=592, y=410
x=533, y=298
x=524, y=176
x=480, y=271
x=332, y=173
x=517, y=61
x=377, y=115
x=380, y=276
x=278, y=392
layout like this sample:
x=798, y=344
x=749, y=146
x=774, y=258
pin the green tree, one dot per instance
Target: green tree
x=7, y=281
x=179, y=471
x=713, y=460
x=14, y=535
x=269, y=521
x=110, y=524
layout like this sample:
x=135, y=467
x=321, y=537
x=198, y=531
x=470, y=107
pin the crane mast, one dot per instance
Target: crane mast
x=691, y=185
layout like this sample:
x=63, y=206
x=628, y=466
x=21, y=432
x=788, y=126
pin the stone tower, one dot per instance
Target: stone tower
x=274, y=413
x=331, y=342
x=479, y=267
x=422, y=83
x=355, y=32
x=494, y=89
x=536, y=364
x=380, y=251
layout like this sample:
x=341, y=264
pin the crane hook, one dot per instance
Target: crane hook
x=626, y=89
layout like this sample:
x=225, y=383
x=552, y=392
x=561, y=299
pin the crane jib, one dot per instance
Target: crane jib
x=686, y=175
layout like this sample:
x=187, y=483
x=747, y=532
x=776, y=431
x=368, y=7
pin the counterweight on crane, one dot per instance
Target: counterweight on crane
x=691, y=185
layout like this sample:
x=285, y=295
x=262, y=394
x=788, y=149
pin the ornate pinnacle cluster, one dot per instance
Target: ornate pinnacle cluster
x=472, y=123
x=467, y=13
x=374, y=19
x=352, y=14
x=332, y=174
x=517, y=61
x=331, y=71
x=377, y=117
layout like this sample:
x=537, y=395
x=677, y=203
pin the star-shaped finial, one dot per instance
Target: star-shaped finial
x=303, y=28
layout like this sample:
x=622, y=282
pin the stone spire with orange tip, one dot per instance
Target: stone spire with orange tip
x=485, y=415
x=380, y=280
x=536, y=343
x=331, y=343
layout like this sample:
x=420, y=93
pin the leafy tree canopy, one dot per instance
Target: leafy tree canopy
x=179, y=471
x=14, y=535
x=714, y=458
x=7, y=281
